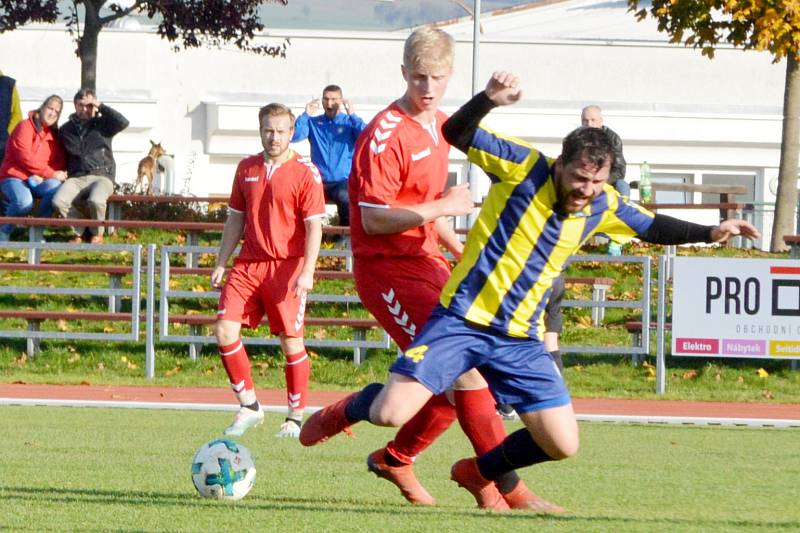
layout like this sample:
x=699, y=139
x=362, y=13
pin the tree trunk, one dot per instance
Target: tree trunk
x=87, y=46
x=786, y=201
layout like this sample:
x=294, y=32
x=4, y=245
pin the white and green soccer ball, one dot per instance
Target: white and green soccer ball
x=224, y=470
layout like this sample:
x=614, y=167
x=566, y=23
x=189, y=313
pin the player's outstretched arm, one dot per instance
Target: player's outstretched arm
x=733, y=227
x=670, y=230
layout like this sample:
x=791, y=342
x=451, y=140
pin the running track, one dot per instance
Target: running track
x=640, y=411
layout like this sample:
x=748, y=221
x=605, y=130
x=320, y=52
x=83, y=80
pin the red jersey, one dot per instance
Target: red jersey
x=397, y=162
x=32, y=150
x=276, y=201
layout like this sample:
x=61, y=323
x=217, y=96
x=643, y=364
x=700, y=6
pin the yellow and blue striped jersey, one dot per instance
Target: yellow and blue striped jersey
x=519, y=245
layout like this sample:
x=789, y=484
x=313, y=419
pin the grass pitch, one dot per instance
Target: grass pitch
x=90, y=469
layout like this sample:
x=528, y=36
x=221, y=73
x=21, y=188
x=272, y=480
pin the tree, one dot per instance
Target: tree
x=188, y=24
x=769, y=25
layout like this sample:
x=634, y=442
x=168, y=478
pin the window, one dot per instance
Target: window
x=672, y=197
x=747, y=180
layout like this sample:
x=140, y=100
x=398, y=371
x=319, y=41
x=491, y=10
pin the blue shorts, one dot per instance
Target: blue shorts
x=520, y=372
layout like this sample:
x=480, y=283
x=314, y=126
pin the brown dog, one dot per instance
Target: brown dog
x=147, y=168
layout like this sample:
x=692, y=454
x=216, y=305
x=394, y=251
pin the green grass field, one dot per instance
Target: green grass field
x=73, y=469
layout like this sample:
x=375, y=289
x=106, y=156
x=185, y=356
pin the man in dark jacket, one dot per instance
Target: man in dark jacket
x=90, y=162
x=592, y=117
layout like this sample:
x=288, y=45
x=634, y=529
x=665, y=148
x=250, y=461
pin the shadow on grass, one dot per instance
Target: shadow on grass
x=311, y=505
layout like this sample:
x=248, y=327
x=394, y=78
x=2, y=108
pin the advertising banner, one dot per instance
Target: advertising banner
x=725, y=307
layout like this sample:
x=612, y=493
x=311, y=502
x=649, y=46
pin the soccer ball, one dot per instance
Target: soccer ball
x=223, y=469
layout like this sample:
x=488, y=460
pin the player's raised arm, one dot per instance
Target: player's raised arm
x=669, y=230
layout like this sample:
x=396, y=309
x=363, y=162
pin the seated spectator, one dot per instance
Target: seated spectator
x=90, y=162
x=34, y=165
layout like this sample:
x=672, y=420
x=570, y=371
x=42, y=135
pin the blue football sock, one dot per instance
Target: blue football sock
x=516, y=451
x=358, y=409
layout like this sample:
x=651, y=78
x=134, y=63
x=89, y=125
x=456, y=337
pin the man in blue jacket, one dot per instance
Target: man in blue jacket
x=332, y=136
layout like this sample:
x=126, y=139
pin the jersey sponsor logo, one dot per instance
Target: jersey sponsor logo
x=383, y=132
x=250, y=178
x=417, y=353
x=400, y=317
x=421, y=155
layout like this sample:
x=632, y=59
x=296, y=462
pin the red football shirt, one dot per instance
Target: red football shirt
x=276, y=201
x=397, y=162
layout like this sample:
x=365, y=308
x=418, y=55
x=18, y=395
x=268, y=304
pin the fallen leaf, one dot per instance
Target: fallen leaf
x=763, y=374
x=320, y=334
x=61, y=325
x=85, y=383
x=101, y=366
x=19, y=382
x=691, y=374
x=22, y=359
x=767, y=394
x=123, y=359
x=74, y=359
x=108, y=329
x=740, y=380
x=172, y=371
x=199, y=288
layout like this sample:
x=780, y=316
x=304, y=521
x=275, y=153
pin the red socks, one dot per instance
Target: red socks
x=479, y=420
x=237, y=365
x=425, y=427
x=297, y=371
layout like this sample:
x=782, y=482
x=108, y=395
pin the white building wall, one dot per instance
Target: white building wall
x=672, y=107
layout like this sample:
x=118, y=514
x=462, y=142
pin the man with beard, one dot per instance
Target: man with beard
x=538, y=212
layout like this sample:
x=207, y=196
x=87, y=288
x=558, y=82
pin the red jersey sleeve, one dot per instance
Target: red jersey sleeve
x=311, y=197
x=237, y=200
x=381, y=167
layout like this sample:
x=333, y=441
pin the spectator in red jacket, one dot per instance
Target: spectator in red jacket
x=34, y=164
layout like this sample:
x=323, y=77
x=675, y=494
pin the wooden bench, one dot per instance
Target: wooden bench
x=115, y=274
x=35, y=318
x=359, y=326
x=793, y=241
x=634, y=327
x=193, y=230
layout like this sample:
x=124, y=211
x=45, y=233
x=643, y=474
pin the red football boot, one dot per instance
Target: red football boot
x=524, y=498
x=326, y=423
x=402, y=476
x=465, y=473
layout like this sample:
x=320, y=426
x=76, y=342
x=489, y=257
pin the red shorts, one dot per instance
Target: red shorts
x=264, y=287
x=401, y=292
